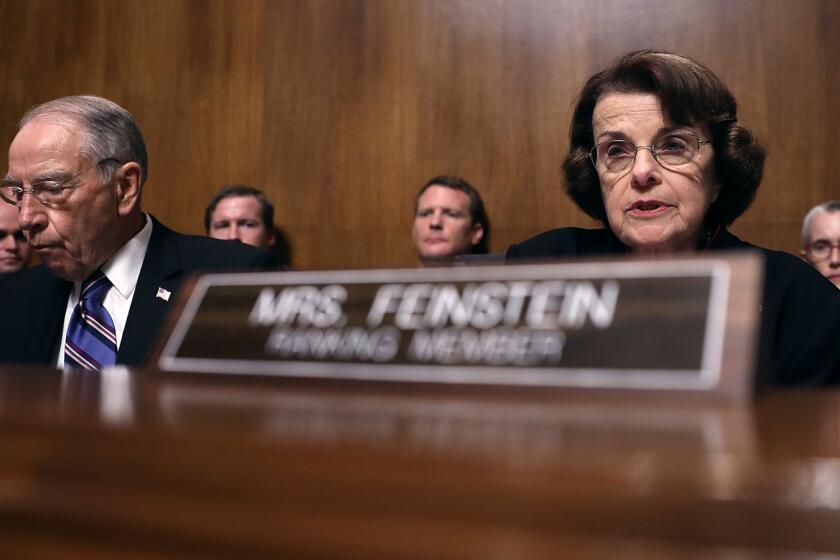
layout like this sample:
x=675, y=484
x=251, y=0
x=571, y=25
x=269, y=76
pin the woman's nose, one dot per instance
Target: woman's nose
x=645, y=170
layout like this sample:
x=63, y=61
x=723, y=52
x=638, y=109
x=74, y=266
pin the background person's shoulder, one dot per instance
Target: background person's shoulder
x=201, y=253
x=568, y=241
x=217, y=254
x=786, y=270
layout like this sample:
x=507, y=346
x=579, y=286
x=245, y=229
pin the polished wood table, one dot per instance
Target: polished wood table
x=143, y=464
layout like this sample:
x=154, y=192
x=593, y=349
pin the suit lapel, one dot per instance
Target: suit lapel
x=161, y=268
x=48, y=315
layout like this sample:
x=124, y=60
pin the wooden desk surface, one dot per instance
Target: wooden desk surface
x=136, y=464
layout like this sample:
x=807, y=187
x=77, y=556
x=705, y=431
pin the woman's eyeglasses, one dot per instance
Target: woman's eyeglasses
x=670, y=150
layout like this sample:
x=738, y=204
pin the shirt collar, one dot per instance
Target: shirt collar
x=123, y=268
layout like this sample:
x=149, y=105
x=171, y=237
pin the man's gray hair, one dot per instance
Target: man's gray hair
x=111, y=131
x=830, y=206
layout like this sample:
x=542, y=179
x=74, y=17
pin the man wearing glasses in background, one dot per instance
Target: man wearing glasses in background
x=14, y=248
x=77, y=168
x=821, y=239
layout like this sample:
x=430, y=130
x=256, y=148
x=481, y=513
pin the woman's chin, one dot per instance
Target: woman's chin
x=657, y=237
x=656, y=244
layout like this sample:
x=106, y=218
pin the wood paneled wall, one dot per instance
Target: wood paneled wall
x=341, y=109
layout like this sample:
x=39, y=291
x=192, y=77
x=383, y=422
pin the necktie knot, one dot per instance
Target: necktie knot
x=95, y=288
x=91, y=341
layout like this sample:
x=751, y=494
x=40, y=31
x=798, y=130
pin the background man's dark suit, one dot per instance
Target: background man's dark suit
x=33, y=313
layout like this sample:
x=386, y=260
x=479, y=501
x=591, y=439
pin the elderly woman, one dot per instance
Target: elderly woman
x=657, y=155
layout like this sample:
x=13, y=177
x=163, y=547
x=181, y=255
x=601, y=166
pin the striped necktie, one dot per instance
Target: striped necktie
x=91, y=341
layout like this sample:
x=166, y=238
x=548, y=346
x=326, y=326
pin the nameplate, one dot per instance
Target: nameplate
x=630, y=324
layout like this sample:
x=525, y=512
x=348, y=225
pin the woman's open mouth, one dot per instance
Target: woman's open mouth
x=648, y=208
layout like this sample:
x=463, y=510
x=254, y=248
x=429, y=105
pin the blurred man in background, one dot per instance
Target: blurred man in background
x=821, y=239
x=14, y=247
x=449, y=220
x=241, y=212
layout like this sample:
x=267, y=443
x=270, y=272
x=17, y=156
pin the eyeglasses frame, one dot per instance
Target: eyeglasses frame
x=832, y=247
x=62, y=186
x=700, y=143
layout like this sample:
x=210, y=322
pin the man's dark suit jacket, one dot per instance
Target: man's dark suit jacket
x=799, y=341
x=36, y=300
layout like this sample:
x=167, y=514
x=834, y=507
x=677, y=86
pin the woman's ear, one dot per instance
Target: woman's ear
x=715, y=192
x=476, y=234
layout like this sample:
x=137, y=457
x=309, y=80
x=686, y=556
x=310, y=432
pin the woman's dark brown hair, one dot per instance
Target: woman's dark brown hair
x=690, y=94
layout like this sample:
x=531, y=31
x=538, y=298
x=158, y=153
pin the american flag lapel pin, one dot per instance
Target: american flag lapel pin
x=163, y=294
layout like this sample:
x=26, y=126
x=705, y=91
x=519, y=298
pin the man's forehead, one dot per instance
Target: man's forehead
x=45, y=142
x=239, y=204
x=441, y=195
x=826, y=225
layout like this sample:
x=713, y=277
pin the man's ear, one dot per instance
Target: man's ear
x=476, y=234
x=128, y=178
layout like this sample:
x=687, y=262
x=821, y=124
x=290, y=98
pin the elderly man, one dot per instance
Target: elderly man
x=449, y=220
x=77, y=168
x=14, y=248
x=241, y=212
x=821, y=239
